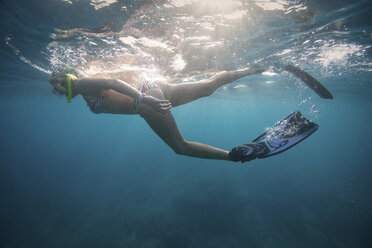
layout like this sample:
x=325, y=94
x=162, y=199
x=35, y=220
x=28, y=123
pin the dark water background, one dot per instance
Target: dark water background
x=69, y=178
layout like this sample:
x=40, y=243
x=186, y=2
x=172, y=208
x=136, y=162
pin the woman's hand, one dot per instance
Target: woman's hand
x=162, y=106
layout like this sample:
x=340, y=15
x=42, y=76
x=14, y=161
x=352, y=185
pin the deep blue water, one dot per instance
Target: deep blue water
x=69, y=178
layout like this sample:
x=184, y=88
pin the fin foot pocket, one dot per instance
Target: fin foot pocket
x=248, y=152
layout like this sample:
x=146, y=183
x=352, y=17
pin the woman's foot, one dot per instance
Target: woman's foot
x=248, y=152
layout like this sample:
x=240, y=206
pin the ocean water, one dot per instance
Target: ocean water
x=70, y=178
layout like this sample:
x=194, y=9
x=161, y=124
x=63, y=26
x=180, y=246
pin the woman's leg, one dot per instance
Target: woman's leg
x=183, y=93
x=166, y=128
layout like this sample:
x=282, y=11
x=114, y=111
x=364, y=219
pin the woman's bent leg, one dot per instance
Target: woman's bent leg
x=183, y=93
x=166, y=128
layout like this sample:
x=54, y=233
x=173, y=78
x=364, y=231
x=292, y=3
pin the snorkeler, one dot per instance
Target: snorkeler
x=153, y=101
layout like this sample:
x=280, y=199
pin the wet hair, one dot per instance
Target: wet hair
x=56, y=78
x=59, y=76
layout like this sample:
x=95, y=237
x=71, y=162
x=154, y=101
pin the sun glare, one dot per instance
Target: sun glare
x=213, y=3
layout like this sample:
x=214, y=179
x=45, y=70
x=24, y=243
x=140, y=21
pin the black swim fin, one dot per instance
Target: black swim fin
x=313, y=84
x=282, y=136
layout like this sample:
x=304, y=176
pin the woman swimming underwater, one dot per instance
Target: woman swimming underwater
x=153, y=101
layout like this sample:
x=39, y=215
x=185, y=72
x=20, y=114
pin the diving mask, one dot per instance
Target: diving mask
x=60, y=90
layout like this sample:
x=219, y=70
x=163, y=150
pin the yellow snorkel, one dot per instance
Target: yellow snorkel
x=69, y=87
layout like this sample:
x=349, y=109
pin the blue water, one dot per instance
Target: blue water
x=69, y=178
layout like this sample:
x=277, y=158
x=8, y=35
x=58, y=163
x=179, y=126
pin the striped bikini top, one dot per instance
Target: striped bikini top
x=95, y=105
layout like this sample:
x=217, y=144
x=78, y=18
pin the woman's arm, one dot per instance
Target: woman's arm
x=89, y=85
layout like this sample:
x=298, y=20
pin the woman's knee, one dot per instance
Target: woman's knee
x=180, y=147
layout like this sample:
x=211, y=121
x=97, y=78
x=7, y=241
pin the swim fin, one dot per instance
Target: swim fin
x=313, y=84
x=282, y=136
